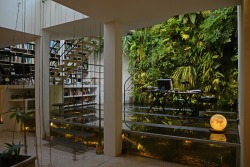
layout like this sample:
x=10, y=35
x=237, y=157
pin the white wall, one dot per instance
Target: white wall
x=56, y=14
x=21, y=15
x=125, y=75
x=31, y=16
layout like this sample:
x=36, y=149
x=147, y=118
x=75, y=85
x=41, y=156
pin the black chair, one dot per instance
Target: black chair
x=210, y=100
x=207, y=99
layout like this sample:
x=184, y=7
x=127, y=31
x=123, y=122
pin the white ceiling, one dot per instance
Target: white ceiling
x=10, y=37
x=76, y=29
x=133, y=14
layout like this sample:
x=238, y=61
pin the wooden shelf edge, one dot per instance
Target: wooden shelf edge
x=20, y=86
x=21, y=100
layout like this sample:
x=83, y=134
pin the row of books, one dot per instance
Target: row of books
x=54, y=44
x=19, y=59
x=76, y=91
x=26, y=46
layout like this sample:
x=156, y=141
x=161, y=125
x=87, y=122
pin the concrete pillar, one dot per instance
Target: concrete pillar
x=244, y=87
x=112, y=89
x=42, y=85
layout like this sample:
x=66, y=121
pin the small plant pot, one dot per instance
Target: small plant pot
x=25, y=161
x=28, y=162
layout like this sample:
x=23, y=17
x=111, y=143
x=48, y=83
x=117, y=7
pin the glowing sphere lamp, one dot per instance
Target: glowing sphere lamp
x=218, y=123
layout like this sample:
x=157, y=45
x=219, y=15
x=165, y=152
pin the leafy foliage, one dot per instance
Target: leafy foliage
x=11, y=155
x=198, y=47
x=20, y=117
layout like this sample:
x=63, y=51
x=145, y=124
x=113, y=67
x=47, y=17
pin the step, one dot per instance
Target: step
x=93, y=45
x=77, y=146
x=81, y=50
x=57, y=78
x=75, y=133
x=64, y=66
x=56, y=81
x=72, y=61
x=73, y=56
x=54, y=70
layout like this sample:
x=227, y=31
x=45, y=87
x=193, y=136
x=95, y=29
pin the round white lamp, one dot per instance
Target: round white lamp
x=218, y=123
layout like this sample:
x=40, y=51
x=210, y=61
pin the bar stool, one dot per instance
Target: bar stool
x=208, y=100
x=180, y=106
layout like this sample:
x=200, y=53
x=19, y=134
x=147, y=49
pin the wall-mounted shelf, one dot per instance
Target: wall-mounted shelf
x=16, y=98
x=21, y=87
x=22, y=100
x=80, y=95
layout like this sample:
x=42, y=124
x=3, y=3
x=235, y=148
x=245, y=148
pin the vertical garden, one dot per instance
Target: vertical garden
x=198, y=47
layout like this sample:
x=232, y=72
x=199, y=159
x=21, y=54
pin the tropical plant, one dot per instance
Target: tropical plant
x=198, y=47
x=12, y=153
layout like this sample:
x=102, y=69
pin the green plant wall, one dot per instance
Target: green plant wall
x=198, y=47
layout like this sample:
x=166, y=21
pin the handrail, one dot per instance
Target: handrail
x=237, y=145
x=124, y=101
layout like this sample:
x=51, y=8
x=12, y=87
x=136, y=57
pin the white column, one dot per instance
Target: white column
x=240, y=73
x=112, y=89
x=244, y=87
x=42, y=85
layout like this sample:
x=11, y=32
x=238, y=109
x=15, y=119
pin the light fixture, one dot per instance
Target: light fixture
x=218, y=123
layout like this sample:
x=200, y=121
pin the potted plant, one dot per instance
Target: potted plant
x=11, y=156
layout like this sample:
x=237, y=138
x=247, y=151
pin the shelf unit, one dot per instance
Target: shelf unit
x=79, y=95
x=17, y=82
x=24, y=54
x=21, y=97
x=16, y=98
x=17, y=63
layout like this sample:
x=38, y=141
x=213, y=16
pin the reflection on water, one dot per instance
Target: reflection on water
x=218, y=137
x=185, y=139
x=170, y=123
x=187, y=152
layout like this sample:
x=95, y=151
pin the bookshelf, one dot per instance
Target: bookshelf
x=18, y=63
x=80, y=95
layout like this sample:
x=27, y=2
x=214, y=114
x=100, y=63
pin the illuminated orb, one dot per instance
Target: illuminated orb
x=218, y=137
x=218, y=122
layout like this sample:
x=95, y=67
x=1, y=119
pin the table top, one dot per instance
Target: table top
x=196, y=91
